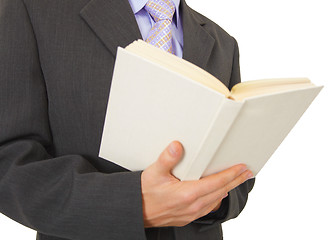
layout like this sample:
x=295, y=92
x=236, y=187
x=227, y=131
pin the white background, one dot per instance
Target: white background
x=292, y=195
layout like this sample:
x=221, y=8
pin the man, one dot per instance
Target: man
x=56, y=63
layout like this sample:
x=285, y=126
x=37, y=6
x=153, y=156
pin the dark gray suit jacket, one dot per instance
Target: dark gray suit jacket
x=56, y=64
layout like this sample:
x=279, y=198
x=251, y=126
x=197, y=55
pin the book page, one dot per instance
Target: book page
x=267, y=86
x=178, y=65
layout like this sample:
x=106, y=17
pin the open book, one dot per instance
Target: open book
x=157, y=97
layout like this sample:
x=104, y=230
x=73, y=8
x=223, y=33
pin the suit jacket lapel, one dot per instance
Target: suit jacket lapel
x=112, y=21
x=198, y=44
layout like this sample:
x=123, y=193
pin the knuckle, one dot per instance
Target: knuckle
x=243, y=177
x=221, y=182
x=188, y=197
x=194, y=209
x=170, y=204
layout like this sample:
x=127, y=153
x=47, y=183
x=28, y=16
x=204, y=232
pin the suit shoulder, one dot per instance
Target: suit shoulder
x=51, y=7
x=217, y=32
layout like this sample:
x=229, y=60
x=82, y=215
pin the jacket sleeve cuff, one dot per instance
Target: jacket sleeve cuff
x=230, y=208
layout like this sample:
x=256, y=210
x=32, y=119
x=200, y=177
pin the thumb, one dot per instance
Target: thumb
x=169, y=158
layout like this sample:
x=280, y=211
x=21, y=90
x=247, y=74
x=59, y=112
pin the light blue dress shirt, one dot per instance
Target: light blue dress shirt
x=146, y=22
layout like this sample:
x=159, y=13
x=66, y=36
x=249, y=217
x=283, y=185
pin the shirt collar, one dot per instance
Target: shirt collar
x=138, y=5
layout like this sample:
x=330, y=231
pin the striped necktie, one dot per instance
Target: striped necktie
x=162, y=12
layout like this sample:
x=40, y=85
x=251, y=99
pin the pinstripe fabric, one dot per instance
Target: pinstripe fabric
x=54, y=88
x=162, y=12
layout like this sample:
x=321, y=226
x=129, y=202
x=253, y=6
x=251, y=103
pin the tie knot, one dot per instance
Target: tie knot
x=160, y=9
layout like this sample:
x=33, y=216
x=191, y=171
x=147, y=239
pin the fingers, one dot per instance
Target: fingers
x=204, y=204
x=183, y=201
x=199, y=199
x=239, y=180
x=169, y=158
x=230, y=178
x=213, y=198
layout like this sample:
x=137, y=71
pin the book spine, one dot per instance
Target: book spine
x=224, y=117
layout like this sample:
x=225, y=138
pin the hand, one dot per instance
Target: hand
x=170, y=202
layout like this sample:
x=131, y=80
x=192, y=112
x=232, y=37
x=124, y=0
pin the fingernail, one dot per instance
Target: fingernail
x=173, y=149
x=243, y=168
x=250, y=175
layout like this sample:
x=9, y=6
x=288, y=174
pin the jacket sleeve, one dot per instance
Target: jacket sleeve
x=236, y=200
x=62, y=196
